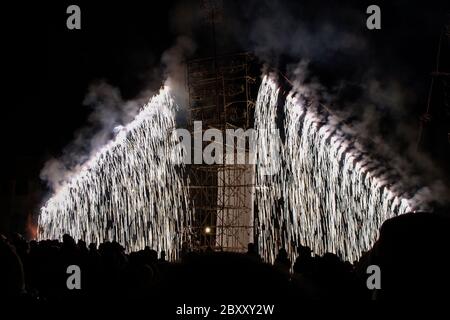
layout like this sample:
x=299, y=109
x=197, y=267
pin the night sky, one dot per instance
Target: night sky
x=49, y=69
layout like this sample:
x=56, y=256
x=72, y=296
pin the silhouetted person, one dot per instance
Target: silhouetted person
x=68, y=241
x=163, y=256
x=252, y=252
x=153, y=256
x=251, y=249
x=184, y=250
x=414, y=257
x=282, y=260
x=11, y=271
x=304, y=262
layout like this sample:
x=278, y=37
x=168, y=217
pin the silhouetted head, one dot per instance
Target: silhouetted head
x=331, y=258
x=81, y=244
x=304, y=251
x=282, y=253
x=153, y=255
x=68, y=240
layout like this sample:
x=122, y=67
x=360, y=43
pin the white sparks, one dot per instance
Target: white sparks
x=131, y=191
x=329, y=194
x=320, y=188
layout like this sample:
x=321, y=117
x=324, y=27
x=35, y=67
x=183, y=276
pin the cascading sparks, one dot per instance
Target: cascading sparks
x=319, y=188
x=132, y=191
x=268, y=169
x=329, y=193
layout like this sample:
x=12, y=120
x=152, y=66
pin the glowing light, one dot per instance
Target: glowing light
x=319, y=188
x=329, y=194
x=131, y=191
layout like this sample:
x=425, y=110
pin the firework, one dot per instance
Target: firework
x=131, y=191
x=328, y=194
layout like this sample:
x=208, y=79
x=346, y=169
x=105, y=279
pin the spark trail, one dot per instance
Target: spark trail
x=329, y=194
x=131, y=191
x=319, y=188
x=268, y=169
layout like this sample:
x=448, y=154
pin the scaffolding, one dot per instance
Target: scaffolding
x=220, y=96
x=438, y=102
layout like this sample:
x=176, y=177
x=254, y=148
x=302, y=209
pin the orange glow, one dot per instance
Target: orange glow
x=31, y=227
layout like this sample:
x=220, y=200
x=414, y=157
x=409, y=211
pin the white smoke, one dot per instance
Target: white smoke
x=110, y=110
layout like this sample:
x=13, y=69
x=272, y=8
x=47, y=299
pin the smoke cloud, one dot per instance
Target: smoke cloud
x=363, y=121
x=333, y=60
x=109, y=111
x=174, y=64
x=324, y=48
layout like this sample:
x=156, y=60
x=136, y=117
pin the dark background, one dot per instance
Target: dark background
x=47, y=69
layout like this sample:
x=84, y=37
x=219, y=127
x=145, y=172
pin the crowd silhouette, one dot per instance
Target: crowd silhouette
x=411, y=251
